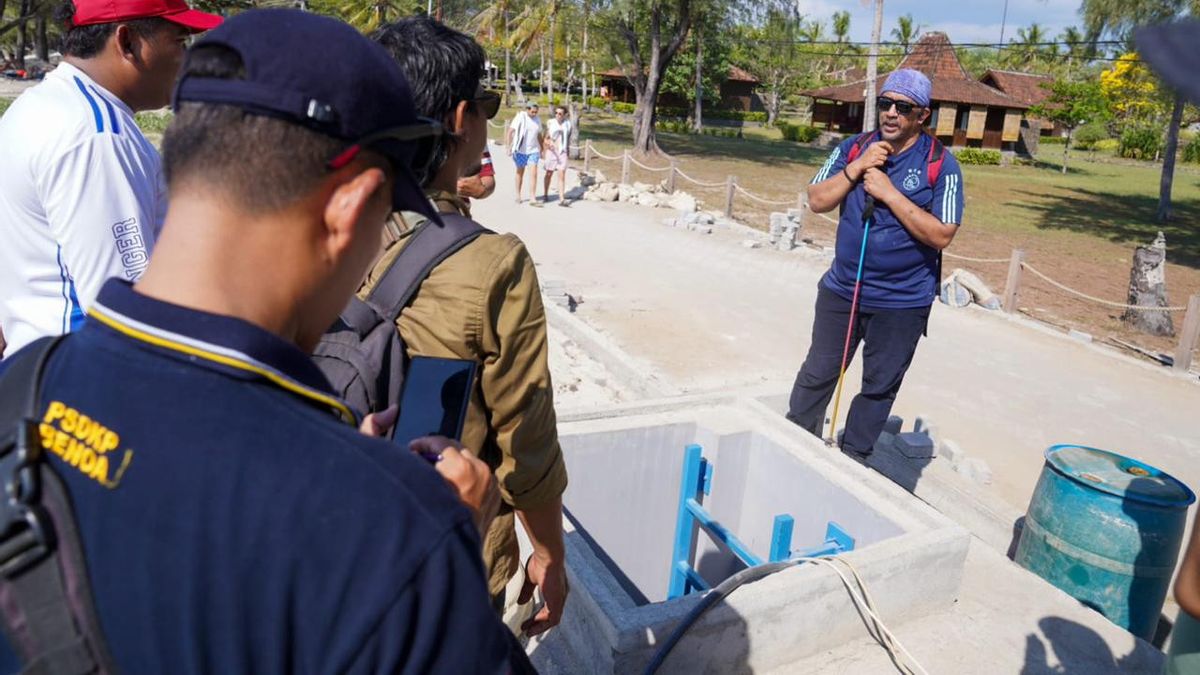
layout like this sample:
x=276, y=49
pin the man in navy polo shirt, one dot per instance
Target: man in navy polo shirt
x=232, y=517
x=913, y=220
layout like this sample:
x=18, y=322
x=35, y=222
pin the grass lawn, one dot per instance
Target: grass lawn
x=1079, y=228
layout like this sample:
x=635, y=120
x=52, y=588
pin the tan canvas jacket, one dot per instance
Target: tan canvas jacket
x=484, y=303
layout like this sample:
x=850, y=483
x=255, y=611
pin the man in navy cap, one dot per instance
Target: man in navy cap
x=232, y=517
x=889, y=272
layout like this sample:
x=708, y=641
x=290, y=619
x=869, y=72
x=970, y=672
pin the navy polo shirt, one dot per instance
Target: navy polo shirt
x=899, y=272
x=233, y=518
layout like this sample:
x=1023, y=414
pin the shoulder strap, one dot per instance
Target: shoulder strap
x=937, y=154
x=45, y=597
x=859, y=143
x=430, y=245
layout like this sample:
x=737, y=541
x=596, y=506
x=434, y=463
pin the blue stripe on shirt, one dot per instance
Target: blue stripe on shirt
x=91, y=101
x=112, y=114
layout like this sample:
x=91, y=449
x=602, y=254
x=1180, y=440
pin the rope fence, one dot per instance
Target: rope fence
x=1189, y=336
x=1101, y=301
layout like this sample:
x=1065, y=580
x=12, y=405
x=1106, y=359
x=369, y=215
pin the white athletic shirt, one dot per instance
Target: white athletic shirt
x=82, y=199
x=525, y=133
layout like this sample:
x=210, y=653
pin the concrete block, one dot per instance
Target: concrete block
x=886, y=440
x=950, y=451
x=915, y=445
x=975, y=469
x=894, y=425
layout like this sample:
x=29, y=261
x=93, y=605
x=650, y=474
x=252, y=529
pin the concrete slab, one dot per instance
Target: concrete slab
x=619, y=540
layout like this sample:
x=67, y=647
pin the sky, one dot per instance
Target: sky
x=961, y=20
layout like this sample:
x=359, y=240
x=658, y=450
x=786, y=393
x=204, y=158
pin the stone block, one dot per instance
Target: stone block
x=626, y=193
x=951, y=452
x=642, y=187
x=915, y=445
x=894, y=424
x=646, y=199
x=751, y=243
x=975, y=469
x=599, y=176
x=682, y=201
x=885, y=441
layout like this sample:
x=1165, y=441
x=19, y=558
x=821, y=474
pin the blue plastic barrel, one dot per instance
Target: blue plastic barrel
x=1107, y=530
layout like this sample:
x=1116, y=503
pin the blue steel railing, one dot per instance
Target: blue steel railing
x=697, y=480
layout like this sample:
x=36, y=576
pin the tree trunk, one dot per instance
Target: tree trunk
x=22, y=36
x=1148, y=288
x=583, y=53
x=699, y=115
x=872, y=70
x=1168, y=169
x=541, y=67
x=645, y=140
x=773, y=108
x=1066, y=149
x=43, y=43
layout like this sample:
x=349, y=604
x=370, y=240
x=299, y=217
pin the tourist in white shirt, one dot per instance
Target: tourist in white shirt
x=556, y=152
x=524, y=141
x=81, y=190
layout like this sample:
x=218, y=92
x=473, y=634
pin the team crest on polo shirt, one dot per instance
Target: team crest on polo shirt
x=912, y=180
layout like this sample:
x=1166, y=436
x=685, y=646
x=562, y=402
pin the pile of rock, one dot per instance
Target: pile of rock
x=600, y=189
x=924, y=442
x=694, y=221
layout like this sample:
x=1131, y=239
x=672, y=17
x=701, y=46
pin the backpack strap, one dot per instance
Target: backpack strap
x=430, y=245
x=933, y=164
x=862, y=141
x=45, y=596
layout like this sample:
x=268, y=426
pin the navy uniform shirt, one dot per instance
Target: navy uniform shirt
x=899, y=272
x=234, y=521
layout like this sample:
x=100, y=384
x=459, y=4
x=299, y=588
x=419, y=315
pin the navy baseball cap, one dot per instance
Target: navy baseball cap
x=323, y=74
x=1173, y=50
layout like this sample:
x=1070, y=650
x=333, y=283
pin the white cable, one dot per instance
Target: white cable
x=756, y=198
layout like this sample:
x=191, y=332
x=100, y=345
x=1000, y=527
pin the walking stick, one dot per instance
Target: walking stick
x=868, y=211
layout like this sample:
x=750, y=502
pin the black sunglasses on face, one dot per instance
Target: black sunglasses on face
x=885, y=104
x=424, y=133
x=489, y=103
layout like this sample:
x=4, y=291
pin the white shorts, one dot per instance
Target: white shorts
x=554, y=161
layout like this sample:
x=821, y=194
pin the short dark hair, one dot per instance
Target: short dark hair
x=264, y=164
x=442, y=65
x=84, y=42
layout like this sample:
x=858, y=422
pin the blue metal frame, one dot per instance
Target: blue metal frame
x=697, y=480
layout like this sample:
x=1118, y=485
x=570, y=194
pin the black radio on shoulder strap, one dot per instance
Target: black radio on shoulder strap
x=45, y=594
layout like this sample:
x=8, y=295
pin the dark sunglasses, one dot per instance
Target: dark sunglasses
x=425, y=132
x=489, y=103
x=885, y=104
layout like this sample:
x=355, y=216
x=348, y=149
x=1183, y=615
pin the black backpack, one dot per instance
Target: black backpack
x=363, y=355
x=48, y=612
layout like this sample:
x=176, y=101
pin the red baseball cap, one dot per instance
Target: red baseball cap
x=91, y=12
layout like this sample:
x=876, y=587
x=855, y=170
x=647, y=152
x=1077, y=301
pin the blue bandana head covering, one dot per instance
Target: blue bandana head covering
x=910, y=83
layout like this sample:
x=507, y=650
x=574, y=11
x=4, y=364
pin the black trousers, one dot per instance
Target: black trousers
x=889, y=338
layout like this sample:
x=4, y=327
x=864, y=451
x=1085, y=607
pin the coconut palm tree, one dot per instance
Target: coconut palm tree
x=906, y=31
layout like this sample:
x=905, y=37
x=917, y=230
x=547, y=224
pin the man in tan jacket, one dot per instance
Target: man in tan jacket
x=483, y=303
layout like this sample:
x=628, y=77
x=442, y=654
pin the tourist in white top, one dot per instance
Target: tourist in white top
x=524, y=141
x=81, y=189
x=556, y=153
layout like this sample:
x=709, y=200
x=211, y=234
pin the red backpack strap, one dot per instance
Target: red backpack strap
x=937, y=154
x=859, y=143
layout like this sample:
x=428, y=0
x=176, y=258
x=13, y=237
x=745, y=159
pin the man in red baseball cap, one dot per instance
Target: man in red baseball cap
x=81, y=192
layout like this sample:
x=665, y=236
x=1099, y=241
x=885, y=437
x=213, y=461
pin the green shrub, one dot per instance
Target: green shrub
x=1052, y=140
x=623, y=108
x=4, y=103
x=1087, y=136
x=1191, y=151
x=1108, y=145
x=673, y=126
x=736, y=116
x=978, y=156
x=597, y=102
x=797, y=132
x=1140, y=142
x=153, y=122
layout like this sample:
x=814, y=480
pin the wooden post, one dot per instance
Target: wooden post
x=671, y=178
x=1014, y=280
x=625, y=168
x=730, y=184
x=587, y=157
x=1188, y=336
